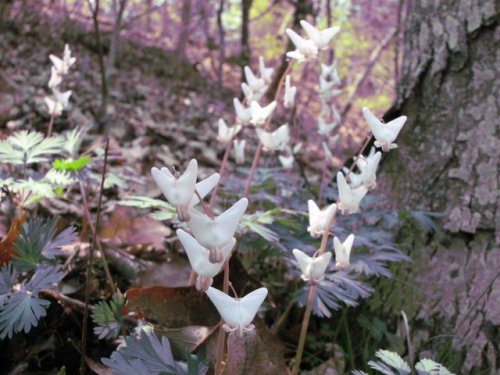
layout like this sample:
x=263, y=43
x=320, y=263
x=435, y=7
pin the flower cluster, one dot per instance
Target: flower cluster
x=211, y=240
x=59, y=100
x=306, y=49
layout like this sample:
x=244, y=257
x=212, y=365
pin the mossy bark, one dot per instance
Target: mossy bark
x=448, y=161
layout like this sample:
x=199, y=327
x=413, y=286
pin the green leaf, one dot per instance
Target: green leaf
x=391, y=359
x=28, y=147
x=108, y=317
x=59, y=177
x=73, y=140
x=145, y=202
x=255, y=222
x=429, y=367
x=72, y=165
x=20, y=312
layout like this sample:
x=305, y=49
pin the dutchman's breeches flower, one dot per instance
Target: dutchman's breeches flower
x=313, y=268
x=343, y=251
x=349, y=198
x=237, y=313
x=215, y=233
x=179, y=190
x=319, y=219
x=198, y=257
x=385, y=134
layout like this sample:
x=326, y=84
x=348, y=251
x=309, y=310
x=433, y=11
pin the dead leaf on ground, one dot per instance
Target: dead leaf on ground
x=172, y=307
x=123, y=228
x=7, y=245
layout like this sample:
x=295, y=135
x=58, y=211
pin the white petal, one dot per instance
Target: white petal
x=204, y=187
x=179, y=192
x=296, y=39
x=198, y=255
x=303, y=260
x=310, y=30
x=237, y=312
x=215, y=233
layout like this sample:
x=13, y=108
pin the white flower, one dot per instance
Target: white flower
x=225, y=133
x=55, y=107
x=330, y=71
x=239, y=151
x=385, y=134
x=321, y=39
x=250, y=94
x=243, y=114
x=260, y=114
x=55, y=78
x=290, y=91
x=323, y=127
x=57, y=104
x=368, y=169
x=62, y=65
x=349, y=198
x=326, y=150
x=313, y=268
x=343, y=250
x=215, y=233
x=277, y=140
x=305, y=48
x=319, y=219
x=265, y=73
x=237, y=313
x=179, y=191
x=203, y=188
x=286, y=161
x=256, y=84
x=297, y=148
x=198, y=257
x=327, y=89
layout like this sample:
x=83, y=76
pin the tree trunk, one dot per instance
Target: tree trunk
x=220, y=28
x=448, y=161
x=303, y=8
x=245, y=36
x=184, y=33
x=115, y=36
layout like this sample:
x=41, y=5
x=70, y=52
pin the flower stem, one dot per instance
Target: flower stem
x=365, y=145
x=89, y=264
x=221, y=171
x=222, y=334
x=310, y=302
x=258, y=152
x=303, y=330
x=51, y=125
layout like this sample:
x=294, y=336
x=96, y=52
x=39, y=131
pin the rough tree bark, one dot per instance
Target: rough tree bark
x=449, y=162
x=245, y=36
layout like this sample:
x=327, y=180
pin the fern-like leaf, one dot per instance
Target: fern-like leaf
x=26, y=147
x=20, y=312
x=390, y=359
x=7, y=278
x=37, y=242
x=429, y=367
x=108, y=317
x=145, y=353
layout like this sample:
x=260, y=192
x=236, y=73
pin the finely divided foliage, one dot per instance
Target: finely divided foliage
x=30, y=272
x=390, y=363
x=143, y=353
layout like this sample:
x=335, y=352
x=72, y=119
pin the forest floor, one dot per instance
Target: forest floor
x=161, y=112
